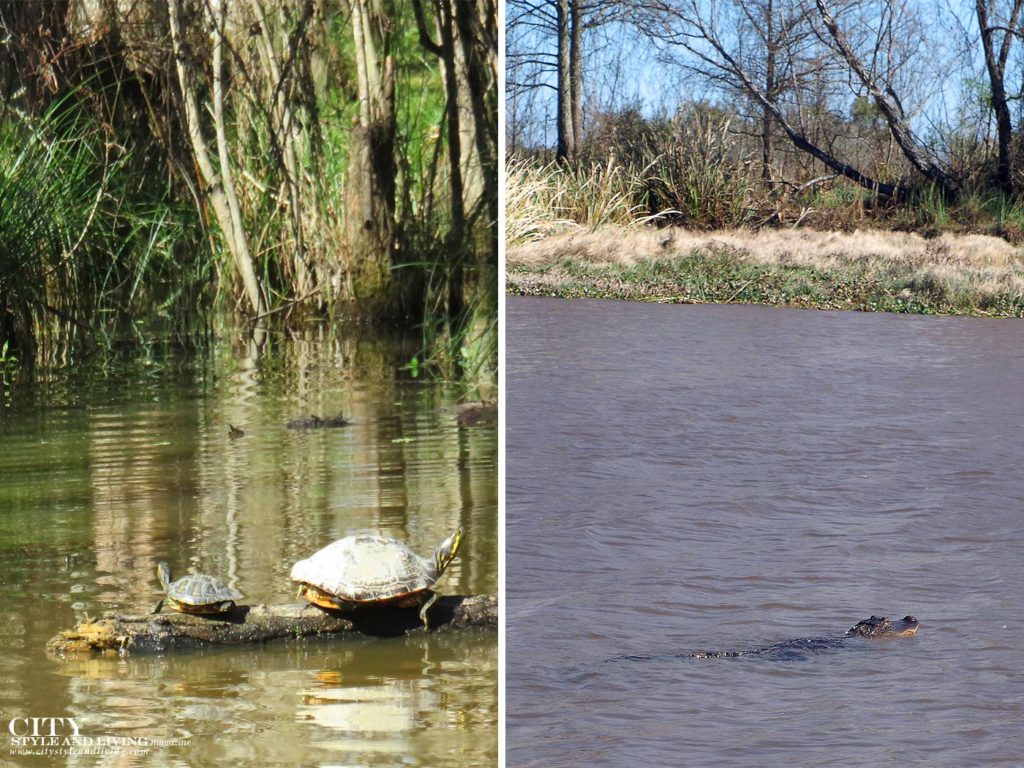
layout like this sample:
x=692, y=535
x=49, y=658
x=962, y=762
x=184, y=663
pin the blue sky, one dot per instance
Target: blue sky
x=935, y=97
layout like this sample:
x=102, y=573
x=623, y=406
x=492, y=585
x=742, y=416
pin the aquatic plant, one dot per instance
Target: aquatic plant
x=84, y=246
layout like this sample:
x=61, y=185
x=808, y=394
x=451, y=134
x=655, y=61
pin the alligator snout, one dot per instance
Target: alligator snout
x=880, y=626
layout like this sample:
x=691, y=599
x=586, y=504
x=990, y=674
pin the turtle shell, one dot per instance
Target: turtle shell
x=199, y=589
x=367, y=569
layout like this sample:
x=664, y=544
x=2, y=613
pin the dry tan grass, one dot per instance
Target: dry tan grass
x=978, y=264
x=544, y=200
x=799, y=247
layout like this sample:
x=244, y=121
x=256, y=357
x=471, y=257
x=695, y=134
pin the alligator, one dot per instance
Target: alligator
x=315, y=422
x=478, y=413
x=877, y=627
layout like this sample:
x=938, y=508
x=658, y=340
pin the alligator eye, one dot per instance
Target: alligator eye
x=910, y=619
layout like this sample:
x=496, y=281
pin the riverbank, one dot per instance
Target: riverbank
x=870, y=270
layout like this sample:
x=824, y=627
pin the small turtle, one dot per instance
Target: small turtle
x=365, y=570
x=195, y=593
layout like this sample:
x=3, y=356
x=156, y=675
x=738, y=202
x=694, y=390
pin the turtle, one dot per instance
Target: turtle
x=195, y=593
x=373, y=570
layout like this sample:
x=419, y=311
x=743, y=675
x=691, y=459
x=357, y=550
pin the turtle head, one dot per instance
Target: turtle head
x=446, y=551
x=163, y=572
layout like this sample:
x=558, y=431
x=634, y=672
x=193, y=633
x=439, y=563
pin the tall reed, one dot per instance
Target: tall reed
x=79, y=236
x=701, y=176
x=539, y=197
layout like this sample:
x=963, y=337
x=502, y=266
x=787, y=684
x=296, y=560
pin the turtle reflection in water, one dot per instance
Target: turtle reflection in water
x=195, y=593
x=875, y=628
x=373, y=570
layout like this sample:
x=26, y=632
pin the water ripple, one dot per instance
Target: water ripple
x=686, y=478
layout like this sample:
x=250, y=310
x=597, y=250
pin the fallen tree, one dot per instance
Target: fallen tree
x=260, y=623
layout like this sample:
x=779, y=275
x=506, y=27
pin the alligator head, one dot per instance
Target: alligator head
x=879, y=626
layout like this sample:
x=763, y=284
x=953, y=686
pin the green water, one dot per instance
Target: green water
x=107, y=469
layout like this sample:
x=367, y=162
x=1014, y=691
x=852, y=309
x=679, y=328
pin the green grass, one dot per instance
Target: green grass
x=708, y=277
x=85, y=243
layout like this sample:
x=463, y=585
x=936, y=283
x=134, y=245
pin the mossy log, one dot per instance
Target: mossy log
x=170, y=631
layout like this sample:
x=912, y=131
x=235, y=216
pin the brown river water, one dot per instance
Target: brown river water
x=686, y=478
x=104, y=471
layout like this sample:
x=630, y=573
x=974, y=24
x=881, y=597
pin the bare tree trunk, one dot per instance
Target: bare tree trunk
x=372, y=170
x=566, y=140
x=889, y=108
x=453, y=73
x=995, y=62
x=215, y=186
x=477, y=43
x=468, y=51
x=288, y=133
x=234, y=209
x=769, y=89
x=478, y=40
x=576, y=74
x=454, y=299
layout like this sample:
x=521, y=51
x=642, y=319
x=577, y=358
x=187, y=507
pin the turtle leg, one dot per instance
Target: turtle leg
x=227, y=605
x=423, y=611
x=159, y=606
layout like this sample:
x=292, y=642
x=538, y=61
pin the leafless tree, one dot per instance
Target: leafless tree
x=702, y=37
x=800, y=62
x=372, y=169
x=545, y=40
x=774, y=37
x=882, y=92
x=216, y=178
x=998, y=31
x=552, y=31
x=467, y=45
x=529, y=60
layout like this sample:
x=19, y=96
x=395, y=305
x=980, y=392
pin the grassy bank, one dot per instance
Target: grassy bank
x=861, y=270
x=681, y=212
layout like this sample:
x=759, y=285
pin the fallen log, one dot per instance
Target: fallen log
x=171, y=631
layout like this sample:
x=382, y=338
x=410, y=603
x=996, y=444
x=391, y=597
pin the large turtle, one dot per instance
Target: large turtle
x=366, y=569
x=195, y=593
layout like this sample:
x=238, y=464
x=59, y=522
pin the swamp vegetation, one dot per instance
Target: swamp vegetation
x=166, y=166
x=693, y=118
